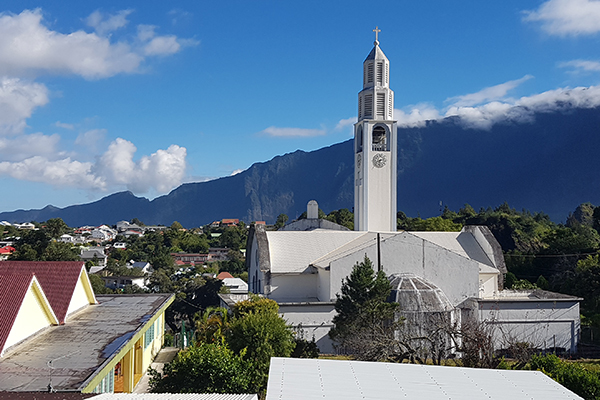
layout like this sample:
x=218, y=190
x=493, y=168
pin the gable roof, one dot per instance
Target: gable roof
x=57, y=278
x=285, y=253
x=13, y=288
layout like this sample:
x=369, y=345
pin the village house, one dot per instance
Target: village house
x=58, y=336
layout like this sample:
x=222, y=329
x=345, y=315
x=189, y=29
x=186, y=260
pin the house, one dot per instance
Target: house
x=229, y=222
x=25, y=226
x=145, y=266
x=95, y=254
x=120, y=245
x=5, y=252
x=56, y=335
x=312, y=379
x=119, y=282
x=235, y=285
x=456, y=274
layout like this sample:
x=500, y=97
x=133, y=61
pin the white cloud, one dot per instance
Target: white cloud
x=237, y=171
x=292, y=132
x=488, y=94
x=27, y=47
x=108, y=23
x=64, y=125
x=416, y=115
x=578, y=66
x=90, y=139
x=18, y=99
x=345, y=122
x=115, y=169
x=521, y=110
x=567, y=17
x=25, y=146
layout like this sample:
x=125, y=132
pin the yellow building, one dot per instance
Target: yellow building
x=56, y=334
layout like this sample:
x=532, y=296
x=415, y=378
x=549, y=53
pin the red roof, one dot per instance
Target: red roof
x=13, y=288
x=223, y=275
x=57, y=278
x=7, y=250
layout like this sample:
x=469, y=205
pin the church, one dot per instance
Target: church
x=460, y=274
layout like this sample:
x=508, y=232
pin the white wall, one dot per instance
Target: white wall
x=30, y=319
x=314, y=320
x=540, y=323
x=289, y=287
x=456, y=275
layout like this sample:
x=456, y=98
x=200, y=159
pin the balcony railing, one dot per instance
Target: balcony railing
x=379, y=147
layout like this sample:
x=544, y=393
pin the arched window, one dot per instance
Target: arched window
x=359, y=139
x=379, y=139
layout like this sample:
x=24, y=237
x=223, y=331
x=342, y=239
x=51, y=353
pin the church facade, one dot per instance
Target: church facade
x=302, y=266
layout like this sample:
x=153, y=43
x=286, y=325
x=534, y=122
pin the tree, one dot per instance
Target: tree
x=258, y=328
x=56, y=227
x=57, y=251
x=365, y=323
x=281, y=220
x=206, y=368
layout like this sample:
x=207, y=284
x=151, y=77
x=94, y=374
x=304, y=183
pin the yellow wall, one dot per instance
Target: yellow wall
x=34, y=315
x=148, y=353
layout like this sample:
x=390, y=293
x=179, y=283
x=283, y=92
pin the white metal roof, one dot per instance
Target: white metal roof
x=293, y=251
x=295, y=378
x=462, y=243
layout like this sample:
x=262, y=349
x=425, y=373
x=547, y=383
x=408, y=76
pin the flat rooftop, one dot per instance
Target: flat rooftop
x=79, y=348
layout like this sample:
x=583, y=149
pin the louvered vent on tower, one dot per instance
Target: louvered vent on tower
x=391, y=105
x=368, y=105
x=381, y=105
x=370, y=73
x=379, y=73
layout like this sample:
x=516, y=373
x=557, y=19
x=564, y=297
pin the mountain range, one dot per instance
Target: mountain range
x=548, y=163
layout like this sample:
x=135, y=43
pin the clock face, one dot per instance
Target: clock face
x=379, y=160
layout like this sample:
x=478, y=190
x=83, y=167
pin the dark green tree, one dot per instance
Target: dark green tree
x=281, y=220
x=207, y=368
x=56, y=227
x=365, y=322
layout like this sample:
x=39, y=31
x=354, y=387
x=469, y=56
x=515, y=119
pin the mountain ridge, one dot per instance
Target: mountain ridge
x=547, y=163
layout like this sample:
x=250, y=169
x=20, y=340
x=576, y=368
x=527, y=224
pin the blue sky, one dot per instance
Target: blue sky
x=146, y=95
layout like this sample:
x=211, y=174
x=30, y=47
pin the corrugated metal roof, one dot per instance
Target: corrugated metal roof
x=175, y=396
x=284, y=247
x=294, y=378
x=57, y=278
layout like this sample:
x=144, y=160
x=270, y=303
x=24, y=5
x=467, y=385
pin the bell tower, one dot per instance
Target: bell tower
x=375, y=147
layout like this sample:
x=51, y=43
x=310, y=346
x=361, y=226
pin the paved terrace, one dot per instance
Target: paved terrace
x=76, y=350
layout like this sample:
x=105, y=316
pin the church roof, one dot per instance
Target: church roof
x=462, y=243
x=376, y=54
x=293, y=251
x=57, y=278
x=416, y=294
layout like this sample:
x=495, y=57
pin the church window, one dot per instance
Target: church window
x=381, y=105
x=359, y=139
x=368, y=105
x=370, y=73
x=379, y=139
x=379, y=73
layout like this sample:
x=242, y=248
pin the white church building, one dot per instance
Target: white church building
x=302, y=265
